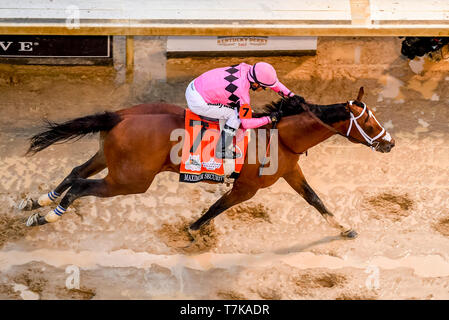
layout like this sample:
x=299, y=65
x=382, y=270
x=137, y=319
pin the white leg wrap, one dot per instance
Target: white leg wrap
x=55, y=214
x=47, y=199
x=44, y=200
x=51, y=217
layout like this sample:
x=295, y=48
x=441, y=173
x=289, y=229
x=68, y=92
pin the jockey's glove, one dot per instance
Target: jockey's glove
x=275, y=116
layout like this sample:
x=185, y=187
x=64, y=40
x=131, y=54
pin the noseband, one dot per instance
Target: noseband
x=370, y=141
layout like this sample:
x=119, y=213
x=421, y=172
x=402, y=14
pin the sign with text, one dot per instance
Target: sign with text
x=25, y=46
x=190, y=45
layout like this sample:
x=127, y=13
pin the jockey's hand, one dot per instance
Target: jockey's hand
x=275, y=116
x=290, y=94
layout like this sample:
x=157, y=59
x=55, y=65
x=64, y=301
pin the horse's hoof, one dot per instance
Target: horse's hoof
x=35, y=220
x=188, y=245
x=350, y=234
x=25, y=204
x=28, y=205
x=193, y=233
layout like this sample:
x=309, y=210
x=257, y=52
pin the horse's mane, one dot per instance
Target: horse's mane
x=294, y=105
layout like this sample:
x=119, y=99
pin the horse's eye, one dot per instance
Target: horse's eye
x=369, y=114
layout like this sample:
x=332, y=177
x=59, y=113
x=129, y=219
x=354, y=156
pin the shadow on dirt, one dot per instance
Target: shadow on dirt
x=302, y=247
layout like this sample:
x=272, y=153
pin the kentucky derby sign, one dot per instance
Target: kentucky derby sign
x=240, y=46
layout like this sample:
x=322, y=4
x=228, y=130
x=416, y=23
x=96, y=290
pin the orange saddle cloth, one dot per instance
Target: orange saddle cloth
x=198, y=152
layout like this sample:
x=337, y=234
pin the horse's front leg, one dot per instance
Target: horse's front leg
x=298, y=182
x=240, y=192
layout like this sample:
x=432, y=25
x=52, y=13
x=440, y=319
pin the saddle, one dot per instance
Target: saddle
x=199, y=161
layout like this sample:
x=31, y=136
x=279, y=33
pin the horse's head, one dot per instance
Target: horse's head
x=364, y=128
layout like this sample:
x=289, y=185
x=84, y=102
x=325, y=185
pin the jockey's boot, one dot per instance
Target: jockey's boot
x=225, y=148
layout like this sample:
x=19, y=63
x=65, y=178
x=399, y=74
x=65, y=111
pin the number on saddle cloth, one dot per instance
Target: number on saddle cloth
x=245, y=112
x=198, y=153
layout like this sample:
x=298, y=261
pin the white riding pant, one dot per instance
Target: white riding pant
x=196, y=103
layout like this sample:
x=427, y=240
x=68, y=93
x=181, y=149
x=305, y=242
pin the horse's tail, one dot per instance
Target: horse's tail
x=72, y=129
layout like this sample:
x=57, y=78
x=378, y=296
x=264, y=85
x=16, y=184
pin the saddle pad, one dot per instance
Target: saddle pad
x=198, y=153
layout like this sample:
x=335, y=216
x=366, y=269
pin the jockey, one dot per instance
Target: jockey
x=219, y=94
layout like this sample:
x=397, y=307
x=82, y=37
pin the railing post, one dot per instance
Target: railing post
x=129, y=58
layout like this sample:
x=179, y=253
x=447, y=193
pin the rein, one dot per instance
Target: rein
x=269, y=141
x=307, y=109
x=371, y=142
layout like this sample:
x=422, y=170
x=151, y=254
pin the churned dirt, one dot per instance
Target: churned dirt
x=12, y=227
x=390, y=206
x=274, y=246
x=249, y=213
x=442, y=226
x=178, y=236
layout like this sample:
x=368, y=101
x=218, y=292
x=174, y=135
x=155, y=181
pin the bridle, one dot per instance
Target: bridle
x=371, y=142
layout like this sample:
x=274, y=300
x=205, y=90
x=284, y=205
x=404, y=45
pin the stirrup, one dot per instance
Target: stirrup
x=225, y=148
x=229, y=154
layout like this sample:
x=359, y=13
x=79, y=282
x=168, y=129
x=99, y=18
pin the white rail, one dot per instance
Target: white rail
x=226, y=17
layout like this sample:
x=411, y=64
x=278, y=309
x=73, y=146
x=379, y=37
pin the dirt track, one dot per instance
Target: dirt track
x=274, y=246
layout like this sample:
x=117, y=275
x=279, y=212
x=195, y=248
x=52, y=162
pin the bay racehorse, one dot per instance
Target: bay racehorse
x=135, y=146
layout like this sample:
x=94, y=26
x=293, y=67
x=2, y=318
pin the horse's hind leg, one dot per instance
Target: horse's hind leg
x=88, y=187
x=298, y=182
x=94, y=165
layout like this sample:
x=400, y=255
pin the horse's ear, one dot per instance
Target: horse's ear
x=360, y=95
